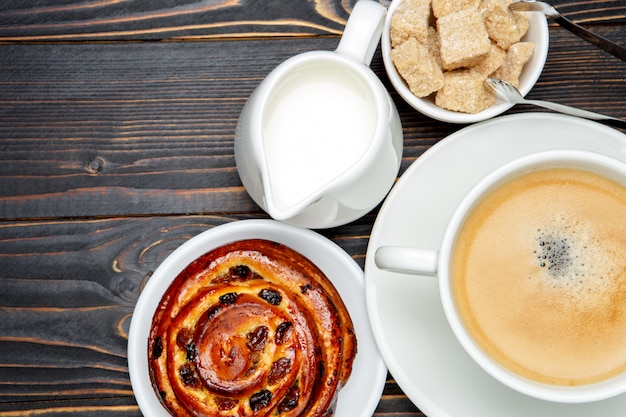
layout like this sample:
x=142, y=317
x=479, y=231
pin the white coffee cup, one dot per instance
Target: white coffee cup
x=438, y=262
x=319, y=142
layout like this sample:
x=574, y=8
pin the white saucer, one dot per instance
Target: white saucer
x=358, y=398
x=406, y=315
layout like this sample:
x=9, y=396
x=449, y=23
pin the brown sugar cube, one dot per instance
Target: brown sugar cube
x=504, y=26
x=410, y=20
x=492, y=61
x=464, y=91
x=516, y=57
x=464, y=39
x=433, y=45
x=445, y=7
x=418, y=68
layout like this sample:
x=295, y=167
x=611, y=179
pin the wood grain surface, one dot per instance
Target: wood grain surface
x=117, y=120
x=90, y=20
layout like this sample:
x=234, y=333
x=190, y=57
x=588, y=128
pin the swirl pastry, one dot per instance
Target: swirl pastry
x=252, y=328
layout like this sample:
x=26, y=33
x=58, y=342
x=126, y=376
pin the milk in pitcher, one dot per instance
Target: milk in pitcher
x=317, y=124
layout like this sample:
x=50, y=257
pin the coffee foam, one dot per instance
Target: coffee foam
x=549, y=300
x=575, y=261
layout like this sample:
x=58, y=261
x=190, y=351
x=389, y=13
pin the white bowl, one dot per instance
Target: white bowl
x=537, y=33
x=361, y=394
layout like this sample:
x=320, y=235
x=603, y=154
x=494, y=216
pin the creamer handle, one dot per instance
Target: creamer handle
x=362, y=32
x=406, y=260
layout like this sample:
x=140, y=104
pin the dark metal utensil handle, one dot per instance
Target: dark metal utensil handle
x=613, y=122
x=597, y=40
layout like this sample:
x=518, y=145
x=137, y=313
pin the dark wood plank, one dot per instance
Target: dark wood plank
x=588, y=13
x=140, y=129
x=106, y=125
x=103, y=407
x=106, y=115
x=92, y=20
x=155, y=20
x=67, y=292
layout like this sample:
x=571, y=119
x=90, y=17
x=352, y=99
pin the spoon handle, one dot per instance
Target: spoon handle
x=597, y=40
x=572, y=111
x=613, y=122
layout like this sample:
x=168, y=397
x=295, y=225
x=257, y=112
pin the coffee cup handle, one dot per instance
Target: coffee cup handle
x=406, y=260
x=362, y=32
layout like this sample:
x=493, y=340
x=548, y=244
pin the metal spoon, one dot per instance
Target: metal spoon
x=549, y=10
x=507, y=92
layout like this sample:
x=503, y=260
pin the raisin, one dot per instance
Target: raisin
x=283, y=332
x=271, y=296
x=226, y=403
x=290, y=400
x=229, y=298
x=213, y=311
x=257, y=338
x=260, y=400
x=253, y=359
x=278, y=370
x=157, y=348
x=192, y=351
x=183, y=337
x=305, y=288
x=188, y=375
x=240, y=272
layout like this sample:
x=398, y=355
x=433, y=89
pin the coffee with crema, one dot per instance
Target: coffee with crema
x=539, y=276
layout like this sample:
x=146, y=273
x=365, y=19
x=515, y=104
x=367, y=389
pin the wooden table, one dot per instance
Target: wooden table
x=116, y=146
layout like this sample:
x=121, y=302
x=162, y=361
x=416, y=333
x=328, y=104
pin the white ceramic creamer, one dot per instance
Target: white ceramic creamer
x=319, y=142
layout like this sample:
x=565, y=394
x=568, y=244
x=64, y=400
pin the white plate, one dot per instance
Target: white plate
x=406, y=315
x=361, y=394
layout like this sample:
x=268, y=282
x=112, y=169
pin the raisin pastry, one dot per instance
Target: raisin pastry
x=252, y=328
